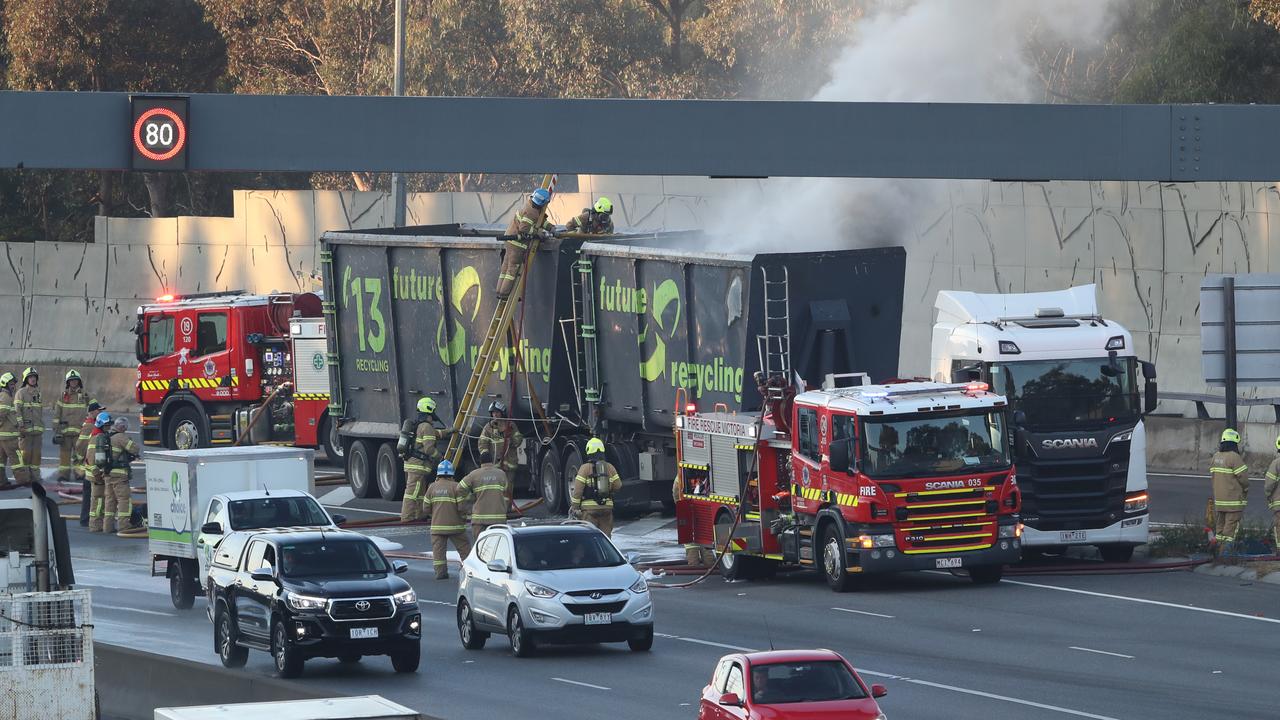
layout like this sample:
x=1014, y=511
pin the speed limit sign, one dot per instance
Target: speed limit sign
x=159, y=132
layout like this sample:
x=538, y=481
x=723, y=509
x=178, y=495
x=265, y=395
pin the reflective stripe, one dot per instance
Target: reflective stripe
x=1229, y=503
x=1275, y=505
x=518, y=245
x=438, y=499
x=481, y=488
x=1273, y=476
x=445, y=529
x=1221, y=470
x=1240, y=469
x=499, y=518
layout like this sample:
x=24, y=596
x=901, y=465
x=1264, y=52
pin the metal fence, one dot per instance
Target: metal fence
x=46, y=655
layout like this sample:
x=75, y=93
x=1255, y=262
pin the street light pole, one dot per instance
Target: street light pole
x=397, y=179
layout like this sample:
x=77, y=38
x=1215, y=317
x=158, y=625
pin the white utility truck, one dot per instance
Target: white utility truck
x=1072, y=380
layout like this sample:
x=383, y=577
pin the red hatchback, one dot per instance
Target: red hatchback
x=788, y=685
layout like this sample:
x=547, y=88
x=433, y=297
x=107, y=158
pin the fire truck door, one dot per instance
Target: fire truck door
x=807, y=461
x=208, y=359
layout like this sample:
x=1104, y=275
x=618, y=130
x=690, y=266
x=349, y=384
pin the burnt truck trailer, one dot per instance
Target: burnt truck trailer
x=610, y=337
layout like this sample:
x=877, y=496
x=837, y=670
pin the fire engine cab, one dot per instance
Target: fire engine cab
x=874, y=478
x=223, y=368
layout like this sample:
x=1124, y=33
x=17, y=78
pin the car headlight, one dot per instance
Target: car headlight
x=1136, y=502
x=306, y=602
x=867, y=542
x=539, y=591
x=639, y=586
x=408, y=597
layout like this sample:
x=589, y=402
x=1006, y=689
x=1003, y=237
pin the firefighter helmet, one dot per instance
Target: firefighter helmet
x=73, y=375
x=120, y=424
x=6, y=379
x=103, y=419
x=1230, y=435
x=444, y=469
x=604, y=205
x=595, y=446
x=1278, y=443
x=497, y=406
x=540, y=197
x=28, y=372
x=426, y=405
x=93, y=405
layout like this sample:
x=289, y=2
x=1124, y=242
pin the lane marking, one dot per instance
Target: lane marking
x=136, y=610
x=917, y=681
x=1145, y=601
x=582, y=684
x=435, y=602
x=862, y=612
x=1100, y=652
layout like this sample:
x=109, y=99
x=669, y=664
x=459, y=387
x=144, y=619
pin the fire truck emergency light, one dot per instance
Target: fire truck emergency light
x=977, y=387
x=690, y=409
x=167, y=297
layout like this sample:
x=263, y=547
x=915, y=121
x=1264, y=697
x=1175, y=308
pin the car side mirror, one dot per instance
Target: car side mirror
x=498, y=565
x=263, y=574
x=339, y=519
x=838, y=454
x=633, y=558
x=211, y=528
x=1019, y=418
x=730, y=699
x=879, y=690
x=399, y=566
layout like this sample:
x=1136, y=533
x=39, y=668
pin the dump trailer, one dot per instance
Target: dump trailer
x=613, y=339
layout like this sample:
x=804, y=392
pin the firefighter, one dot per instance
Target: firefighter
x=1230, y=476
x=529, y=222
x=118, y=511
x=95, y=474
x=30, y=427
x=420, y=457
x=491, y=489
x=68, y=410
x=83, y=433
x=447, y=524
x=501, y=438
x=594, y=487
x=597, y=220
x=9, y=453
x=1272, y=489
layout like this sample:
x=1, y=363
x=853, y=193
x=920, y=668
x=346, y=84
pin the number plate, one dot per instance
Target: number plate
x=949, y=562
x=599, y=618
x=1072, y=536
x=364, y=633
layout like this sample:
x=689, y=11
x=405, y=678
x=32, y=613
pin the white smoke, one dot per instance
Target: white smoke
x=909, y=51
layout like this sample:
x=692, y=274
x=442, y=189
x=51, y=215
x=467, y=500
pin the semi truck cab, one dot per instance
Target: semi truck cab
x=1078, y=394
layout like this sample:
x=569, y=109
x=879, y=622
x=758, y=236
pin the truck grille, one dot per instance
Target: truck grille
x=1073, y=494
x=378, y=609
x=945, y=504
x=951, y=536
x=584, y=608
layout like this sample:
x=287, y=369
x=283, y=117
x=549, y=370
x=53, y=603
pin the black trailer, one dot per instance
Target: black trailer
x=608, y=335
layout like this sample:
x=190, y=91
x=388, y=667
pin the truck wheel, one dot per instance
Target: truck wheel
x=552, y=484
x=390, y=476
x=986, y=574
x=737, y=567
x=360, y=469
x=182, y=586
x=330, y=440
x=1116, y=553
x=186, y=430
x=834, y=560
x=572, y=461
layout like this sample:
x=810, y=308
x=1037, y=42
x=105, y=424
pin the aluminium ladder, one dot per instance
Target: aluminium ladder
x=774, y=346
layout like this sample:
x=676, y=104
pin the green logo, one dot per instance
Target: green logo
x=453, y=345
x=175, y=486
x=664, y=295
x=317, y=361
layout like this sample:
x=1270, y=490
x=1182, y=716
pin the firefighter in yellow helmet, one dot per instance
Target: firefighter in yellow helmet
x=596, y=220
x=419, y=446
x=30, y=427
x=9, y=453
x=68, y=414
x=444, y=500
x=594, y=487
x=489, y=487
x=1230, y=476
x=1272, y=489
x=529, y=222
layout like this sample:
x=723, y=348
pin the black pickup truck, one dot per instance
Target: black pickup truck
x=308, y=594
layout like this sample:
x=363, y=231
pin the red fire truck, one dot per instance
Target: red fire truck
x=207, y=363
x=874, y=478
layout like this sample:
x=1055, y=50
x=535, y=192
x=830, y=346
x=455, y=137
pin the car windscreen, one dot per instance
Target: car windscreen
x=561, y=551
x=794, y=682
x=271, y=512
x=330, y=558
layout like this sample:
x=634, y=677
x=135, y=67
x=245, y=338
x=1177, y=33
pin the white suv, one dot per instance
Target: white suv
x=553, y=583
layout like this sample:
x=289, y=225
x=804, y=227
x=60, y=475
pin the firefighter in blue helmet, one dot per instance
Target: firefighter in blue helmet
x=529, y=222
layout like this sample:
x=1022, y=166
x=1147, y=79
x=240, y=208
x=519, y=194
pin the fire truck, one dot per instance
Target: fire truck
x=853, y=480
x=223, y=368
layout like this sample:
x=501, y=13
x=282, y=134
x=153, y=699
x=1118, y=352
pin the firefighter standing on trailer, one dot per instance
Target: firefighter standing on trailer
x=529, y=221
x=597, y=220
x=30, y=427
x=95, y=450
x=444, y=500
x=491, y=489
x=117, y=515
x=1272, y=489
x=1230, y=476
x=9, y=453
x=501, y=438
x=594, y=487
x=68, y=410
x=420, y=455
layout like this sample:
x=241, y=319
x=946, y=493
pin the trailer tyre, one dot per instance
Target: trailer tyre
x=182, y=585
x=572, y=461
x=552, y=484
x=360, y=469
x=834, y=560
x=390, y=475
x=186, y=430
x=330, y=439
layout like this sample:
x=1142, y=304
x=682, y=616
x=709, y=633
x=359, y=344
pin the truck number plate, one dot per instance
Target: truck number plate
x=1072, y=536
x=599, y=618
x=949, y=562
x=364, y=633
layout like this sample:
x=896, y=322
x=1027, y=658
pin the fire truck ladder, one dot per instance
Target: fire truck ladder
x=774, y=346
x=498, y=334
x=584, y=312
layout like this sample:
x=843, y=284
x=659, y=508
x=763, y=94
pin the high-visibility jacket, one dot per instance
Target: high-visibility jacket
x=425, y=453
x=488, y=485
x=123, y=452
x=30, y=410
x=82, y=442
x=68, y=409
x=501, y=438
x=1272, y=486
x=595, y=487
x=590, y=221
x=8, y=416
x=441, y=503
x=527, y=220
x=1230, y=481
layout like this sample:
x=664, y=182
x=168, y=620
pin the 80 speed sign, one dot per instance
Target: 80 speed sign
x=159, y=133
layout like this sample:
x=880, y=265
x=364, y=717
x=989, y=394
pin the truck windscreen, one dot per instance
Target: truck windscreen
x=270, y=512
x=1069, y=393
x=934, y=444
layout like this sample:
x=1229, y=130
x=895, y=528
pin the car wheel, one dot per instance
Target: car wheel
x=390, y=475
x=224, y=636
x=406, y=659
x=986, y=574
x=349, y=658
x=522, y=643
x=330, y=440
x=186, y=430
x=834, y=561
x=1116, y=553
x=360, y=469
x=644, y=643
x=182, y=587
x=552, y=486
x=288, y=660
x=472, y=639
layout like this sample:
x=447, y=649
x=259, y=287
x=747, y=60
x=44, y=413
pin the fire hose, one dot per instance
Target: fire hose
x=266, y=404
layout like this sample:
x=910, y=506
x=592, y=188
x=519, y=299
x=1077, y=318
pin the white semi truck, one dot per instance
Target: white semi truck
x=1073, y=383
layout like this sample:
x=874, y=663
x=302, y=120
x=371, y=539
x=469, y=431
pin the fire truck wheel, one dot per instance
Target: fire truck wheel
x=834, y=562
x=737, y=567
x=360, y=469
x=986, y=574
x=187, y=430
x=390, y=475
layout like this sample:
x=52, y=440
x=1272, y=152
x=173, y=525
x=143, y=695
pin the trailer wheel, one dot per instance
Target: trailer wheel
x=360, y=469
x=552, y=484
x=834, y=560
x=390, y=475
x=572, y=461
x=330, y=440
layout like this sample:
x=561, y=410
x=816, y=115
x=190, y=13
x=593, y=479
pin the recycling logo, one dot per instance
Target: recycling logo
x=453, y=345
x=175, y=486
x=664, y=296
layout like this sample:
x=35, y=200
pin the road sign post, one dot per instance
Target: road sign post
x=1229, y=349
x=1240, y=334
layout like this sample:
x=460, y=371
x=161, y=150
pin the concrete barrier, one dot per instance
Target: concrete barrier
x=111, y=386
x=1186, y=444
